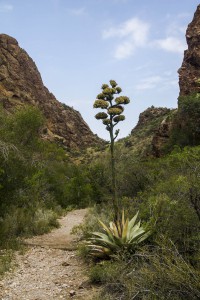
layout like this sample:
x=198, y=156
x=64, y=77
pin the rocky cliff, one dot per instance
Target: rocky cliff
x=21, y=83
x=151, y=114
x=140, y=141
x=180, y=121
x=189, y=73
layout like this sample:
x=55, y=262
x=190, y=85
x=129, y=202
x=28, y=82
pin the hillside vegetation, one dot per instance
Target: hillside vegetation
x=37, y=179
x=166, y=192
x=141, y=239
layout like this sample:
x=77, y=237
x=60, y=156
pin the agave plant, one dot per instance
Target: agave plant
x=119, y=236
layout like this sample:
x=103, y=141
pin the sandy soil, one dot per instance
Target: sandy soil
x=50, y=269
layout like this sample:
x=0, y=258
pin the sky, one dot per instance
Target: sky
x=78, y=45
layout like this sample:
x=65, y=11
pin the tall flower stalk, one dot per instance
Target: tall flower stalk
x=113, y=104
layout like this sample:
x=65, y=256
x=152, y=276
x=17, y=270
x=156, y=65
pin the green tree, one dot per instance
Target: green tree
x=113, y=105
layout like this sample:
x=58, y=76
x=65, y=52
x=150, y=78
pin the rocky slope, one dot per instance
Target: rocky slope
x=189, y=73
x=21, y=83
x=189, y=82
x=141, y=142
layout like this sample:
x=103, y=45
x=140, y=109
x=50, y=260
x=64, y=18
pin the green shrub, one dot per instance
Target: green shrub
x=25, y=222
x=44, y=220
x=153, y=272
x=105, y=272
x=6, y=257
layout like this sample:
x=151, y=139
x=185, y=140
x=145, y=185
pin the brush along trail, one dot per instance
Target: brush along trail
x=50, y=269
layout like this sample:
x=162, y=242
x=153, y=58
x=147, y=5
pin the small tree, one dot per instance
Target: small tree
x=113, y=105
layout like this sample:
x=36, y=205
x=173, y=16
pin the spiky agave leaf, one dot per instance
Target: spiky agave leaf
x=132, y=221
x=114, y=229
x=136, y=234
x=144, y=237
x=103, y=242
x=98, y=251
x=123, y=217
x=125, y=231
x=107, y=230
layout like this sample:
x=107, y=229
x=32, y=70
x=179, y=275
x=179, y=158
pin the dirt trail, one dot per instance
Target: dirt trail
x=47, y=271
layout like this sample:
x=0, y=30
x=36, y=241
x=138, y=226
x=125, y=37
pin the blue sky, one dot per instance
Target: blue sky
x=79, y=44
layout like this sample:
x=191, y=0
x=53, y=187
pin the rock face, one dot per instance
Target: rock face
x=162, y=135
x=189, y=82
x=189, y=73
x=151, y=113
x=21, y=83
x=141, y=142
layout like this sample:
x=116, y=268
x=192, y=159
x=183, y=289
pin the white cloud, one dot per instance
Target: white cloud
x=171, y=44
x=176, y=27
x=159, y=82
x=78, y=11
x=6, y=7
x=149, y=83
x=174, y=40
x=124, y=50
x=132, y=34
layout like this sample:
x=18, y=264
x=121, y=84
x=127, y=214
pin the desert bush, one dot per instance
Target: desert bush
x=37, y=180
x=25, y=222
x=153, y=272
x=6, y=257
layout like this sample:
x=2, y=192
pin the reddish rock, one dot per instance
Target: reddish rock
x=189, y=73
x=162, y=135
x=151, y=113
x=21, y=83
x=189, y=82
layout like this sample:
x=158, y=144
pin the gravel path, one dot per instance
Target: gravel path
x=47, y=271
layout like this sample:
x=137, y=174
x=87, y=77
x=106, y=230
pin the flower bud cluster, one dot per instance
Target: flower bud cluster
x=101, y=116
x=122, y=100
x=115, y=110
x=104, y=100
x=119, y=118
x=101, y=104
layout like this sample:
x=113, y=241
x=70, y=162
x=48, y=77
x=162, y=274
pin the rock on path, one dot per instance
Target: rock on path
x=47, y=271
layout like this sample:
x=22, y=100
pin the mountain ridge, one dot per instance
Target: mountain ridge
x=21, y=84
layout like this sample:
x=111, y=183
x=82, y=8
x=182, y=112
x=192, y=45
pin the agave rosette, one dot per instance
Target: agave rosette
x=120, y=235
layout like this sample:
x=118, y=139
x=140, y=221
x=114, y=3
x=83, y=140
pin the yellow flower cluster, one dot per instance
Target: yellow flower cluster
x=109, y=91
x=115, y=110
x=106, y=121
x=113, y=83
x=101, y=104
x=101, y=115
x=119, y=118
x=104, y=86
x=122, y=100
x=101, y=96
